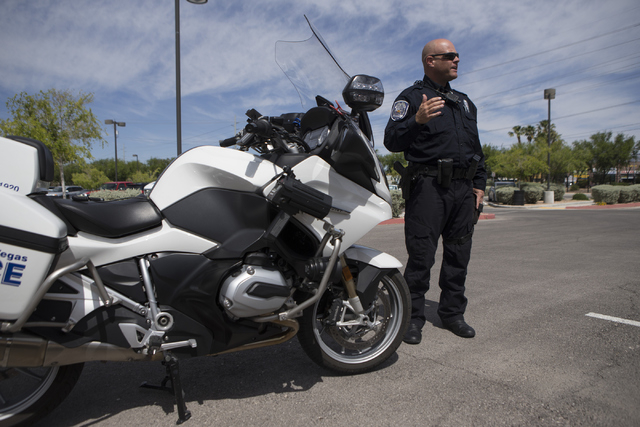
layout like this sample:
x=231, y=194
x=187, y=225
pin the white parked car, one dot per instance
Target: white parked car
x=72, y=190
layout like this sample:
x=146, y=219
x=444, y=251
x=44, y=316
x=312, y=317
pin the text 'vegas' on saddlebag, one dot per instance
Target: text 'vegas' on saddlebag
x=293, y=196
x=31, y=238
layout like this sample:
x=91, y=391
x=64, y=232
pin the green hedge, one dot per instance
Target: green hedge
x=108, y=195
x=504, y=195
x=612, y=194
x=397, y=203
x=558, y=192
x=533, y=192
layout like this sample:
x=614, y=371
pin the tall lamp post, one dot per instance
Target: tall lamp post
x=137, y=162
x=115, y=138
x=178, y=106
x=549, y=94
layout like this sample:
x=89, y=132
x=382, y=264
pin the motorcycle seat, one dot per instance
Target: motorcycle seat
x=111, y=219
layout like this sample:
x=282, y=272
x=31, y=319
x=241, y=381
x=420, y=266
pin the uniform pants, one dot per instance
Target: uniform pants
x=431, y=212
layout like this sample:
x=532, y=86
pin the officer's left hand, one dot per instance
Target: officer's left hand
x=479, y=196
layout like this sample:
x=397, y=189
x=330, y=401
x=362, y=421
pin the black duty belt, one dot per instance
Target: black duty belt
x=427, y=170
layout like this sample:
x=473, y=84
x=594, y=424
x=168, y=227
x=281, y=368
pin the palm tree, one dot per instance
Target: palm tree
x=517, y=131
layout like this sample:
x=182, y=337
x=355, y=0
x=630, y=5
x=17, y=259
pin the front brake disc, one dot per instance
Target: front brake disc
x=361, y=337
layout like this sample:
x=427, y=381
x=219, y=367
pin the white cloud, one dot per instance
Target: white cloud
x=124, y=52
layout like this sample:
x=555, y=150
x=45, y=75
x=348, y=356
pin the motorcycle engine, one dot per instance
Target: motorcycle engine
x=253, y=291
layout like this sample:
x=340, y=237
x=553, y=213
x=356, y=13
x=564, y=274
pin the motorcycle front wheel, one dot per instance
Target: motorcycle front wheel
x=332, y=335
x=28, y=394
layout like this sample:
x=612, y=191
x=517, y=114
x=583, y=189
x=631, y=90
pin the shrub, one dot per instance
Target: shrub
x=626, y=195
x=580, y=196
x=108, y=195
x=558, y=192
x=574, y=187
x=533, y=194
x=636, y=190
x=397, y=203
x=629, y=194
x=607, y=194
x=533, y=191
x=504, y=195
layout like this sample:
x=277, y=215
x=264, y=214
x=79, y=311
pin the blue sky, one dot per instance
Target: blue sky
x=123, y=51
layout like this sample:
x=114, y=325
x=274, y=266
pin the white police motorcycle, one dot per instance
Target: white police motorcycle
x=233, y=249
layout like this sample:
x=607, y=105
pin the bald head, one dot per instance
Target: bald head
x=437, y=68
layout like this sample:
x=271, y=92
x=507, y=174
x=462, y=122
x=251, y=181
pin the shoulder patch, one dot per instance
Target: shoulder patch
x=399, y=110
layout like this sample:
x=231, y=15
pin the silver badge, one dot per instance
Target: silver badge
x=399, y=110
x=466, y=106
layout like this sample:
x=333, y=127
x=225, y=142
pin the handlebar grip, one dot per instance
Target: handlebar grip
x=246, y=138
x=228, y=142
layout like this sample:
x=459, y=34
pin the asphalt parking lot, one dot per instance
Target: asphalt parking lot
x=539, y=284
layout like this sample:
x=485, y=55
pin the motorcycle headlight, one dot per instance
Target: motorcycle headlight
x=363, y=93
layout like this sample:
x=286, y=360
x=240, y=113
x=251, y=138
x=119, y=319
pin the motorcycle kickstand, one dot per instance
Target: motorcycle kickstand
x=173, y=375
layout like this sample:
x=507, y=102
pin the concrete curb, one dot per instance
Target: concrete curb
x=567, y=205
x=558, y=206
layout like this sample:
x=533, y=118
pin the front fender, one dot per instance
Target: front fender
x=372, y=266
x=372, y=257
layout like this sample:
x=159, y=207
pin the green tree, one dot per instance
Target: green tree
x=530, y=132
x=623, y=148
x=519, y=162
x=388, y=160
x=140, y=176
x=517, y=131
x=605, y=154
x=581, y=153
x=91, y=179
x=156, y=166
x=62, y=121
x=491, y=157
x=563, y=162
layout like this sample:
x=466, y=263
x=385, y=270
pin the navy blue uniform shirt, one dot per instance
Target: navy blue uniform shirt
x=453, y=134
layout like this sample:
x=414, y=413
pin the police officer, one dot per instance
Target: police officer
x=436, y=128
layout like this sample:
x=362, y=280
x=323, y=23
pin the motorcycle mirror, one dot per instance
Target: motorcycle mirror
x=363, y=93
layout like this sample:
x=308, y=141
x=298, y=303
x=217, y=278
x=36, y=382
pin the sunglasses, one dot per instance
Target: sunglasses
x=449, y=56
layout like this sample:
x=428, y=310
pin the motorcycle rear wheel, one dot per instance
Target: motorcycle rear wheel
x=357, y=349
x=28, y=394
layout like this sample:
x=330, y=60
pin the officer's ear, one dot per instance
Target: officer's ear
x=424, y=63
x=427, y=61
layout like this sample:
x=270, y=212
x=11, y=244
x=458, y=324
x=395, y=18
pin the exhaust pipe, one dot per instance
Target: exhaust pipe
x=23, y=350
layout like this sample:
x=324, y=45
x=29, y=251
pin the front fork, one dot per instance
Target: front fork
x=350, y=285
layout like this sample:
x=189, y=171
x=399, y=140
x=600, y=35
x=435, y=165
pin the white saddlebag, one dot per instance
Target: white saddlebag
x=31, y=237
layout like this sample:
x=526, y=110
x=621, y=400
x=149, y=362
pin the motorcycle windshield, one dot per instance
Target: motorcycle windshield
x=312, y=68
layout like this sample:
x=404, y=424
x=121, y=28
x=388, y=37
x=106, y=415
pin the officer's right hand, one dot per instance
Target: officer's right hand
x=429, y=109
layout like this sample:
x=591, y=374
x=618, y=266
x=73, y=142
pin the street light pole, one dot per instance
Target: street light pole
x=115, y=138
x=549, y=94
x=178, y=94
x=137, y=162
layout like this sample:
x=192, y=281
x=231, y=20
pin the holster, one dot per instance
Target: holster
x=477, y=211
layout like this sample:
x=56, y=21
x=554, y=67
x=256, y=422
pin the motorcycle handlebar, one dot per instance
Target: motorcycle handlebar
x=228, y=142
x=257, y=126
x=246, y=138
